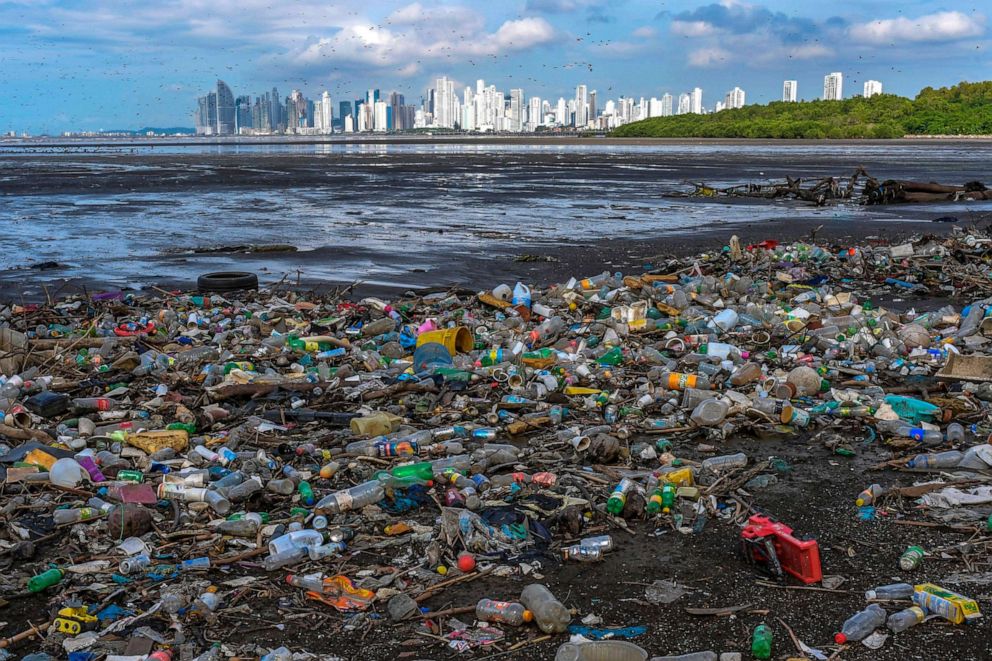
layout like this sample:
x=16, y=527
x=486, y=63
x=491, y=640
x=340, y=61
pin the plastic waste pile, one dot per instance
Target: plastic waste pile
x=171, y=460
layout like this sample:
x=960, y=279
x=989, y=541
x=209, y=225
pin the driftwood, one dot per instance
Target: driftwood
x=221, y=393
x=861, y=187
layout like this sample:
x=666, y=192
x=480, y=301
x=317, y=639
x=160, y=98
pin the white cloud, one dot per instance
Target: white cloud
x=942, y=26
x=693, y=28
x=709, y=57
x=645, y=32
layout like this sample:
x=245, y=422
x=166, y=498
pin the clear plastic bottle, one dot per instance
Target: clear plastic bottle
x=710, y=413
x=869, y=495
x=948, y=459
x=290, y=557
x=549, y=613
x=74, y=515
x=905, y=619
x=725, y=462
x=893, y=591
x=354, y=498
x=745, y=374
x=297, y=538
x=283, y=486
x=582, y=553
x=955, y=432
x=502, y=612
x=919, y=434
x=860, y=625
x=680, y=381
x=134, y=564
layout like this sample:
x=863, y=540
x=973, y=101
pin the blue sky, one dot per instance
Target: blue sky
x=91, y=64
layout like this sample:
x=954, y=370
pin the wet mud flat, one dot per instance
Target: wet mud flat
x=416, y=216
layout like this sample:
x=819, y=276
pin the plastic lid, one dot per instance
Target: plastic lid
x=528, y=616
x=840, y=638
x=859, y=502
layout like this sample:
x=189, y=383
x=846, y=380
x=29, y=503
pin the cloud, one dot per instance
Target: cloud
x=645, y=32
x=560, y=6
x=939, y=27
x=693, y=28
x=709, y=57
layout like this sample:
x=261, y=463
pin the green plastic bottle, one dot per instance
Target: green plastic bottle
x=619, y=497
x=761, y=642
x=654, y=503
x=45, y=580
x=188, y=427
x=418, y=472
x=667, y=497
x=306, y=494
x=612, y=357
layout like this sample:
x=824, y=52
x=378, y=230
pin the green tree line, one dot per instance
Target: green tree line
x=964, y=109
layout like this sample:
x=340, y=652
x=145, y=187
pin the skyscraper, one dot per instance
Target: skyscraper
x=592, y=105
x=325, y=111
x=872, y=87
x=277, y=115
x=790, y=90
x=666, y=105
x=344, y=110
x=445, y=104
x=226, y=119
x=516, y=110
x=833, y=86
x=206, y=114
x=581, y=107
x=242, y=114
x=734, y=99
x=535, y=113
x=696, y=102
x=685, y=104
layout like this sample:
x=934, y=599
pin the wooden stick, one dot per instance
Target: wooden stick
x=447, y=612
x=24, y=635
x=429, y=592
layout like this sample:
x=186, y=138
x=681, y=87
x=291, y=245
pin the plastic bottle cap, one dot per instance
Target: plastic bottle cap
x=859, y=502
x=840, y=638
x=528, y=616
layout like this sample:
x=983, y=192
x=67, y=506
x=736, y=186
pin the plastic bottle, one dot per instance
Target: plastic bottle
x=955, y=432
x=905, y=619
x=725, y=462
x=521, y=295
x=745, y=374
x=911, y=558
x=725, y=320
x=502, y=612
x=66, y=472
x=680, y=381
x=581, y=553
x=92, y=404
x=74, y=515
x=919, y=434
x=295, y=539
x=761, y=642
x=549, y=613
x=206, y=603
x=948, y=459
x=45, y=580
x=547, y=329
x=869, y=495
x=290, y=557
x=860, y=625
x=282, y=486
x=354, y=498
x=710, y=412
x=602, y=542
x=894, y=591
x=134, y=564
x=618, y=498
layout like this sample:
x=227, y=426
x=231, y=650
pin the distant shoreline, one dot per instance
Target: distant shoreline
x=73, y=143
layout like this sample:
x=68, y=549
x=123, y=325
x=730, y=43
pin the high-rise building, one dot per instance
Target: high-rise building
x=833, y=86
x=535, y=114
x=344, y=110
x=872, y=87
x=242, y=114
x=326, y=113
x=206, y=114
x=516, y=110
x=277, y=113
x=790, y=90
x=592, y=105
x=561, y=113
x=685, y=104
x=446, y=106
x=734, y=99
x=226, y=120
x=666, y=105
x=696, y=102
x=381, y=122
x=581, y=107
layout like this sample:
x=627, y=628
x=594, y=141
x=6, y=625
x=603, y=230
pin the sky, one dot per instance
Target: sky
x=108, y=64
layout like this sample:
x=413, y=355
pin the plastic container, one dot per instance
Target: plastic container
x=948, y=459
x=502, y=612
x=725, y=320
x=710, y=413
x=456, y=340
x=893, y=591
x=869, y=495
x=521, y=295
x=761, y=642
x=904, y=619
x=860, y=625
x=355, y=498
x=725, y=462
x=601, y=650
x=911, y=558
x=549, y=613
x=66, y=472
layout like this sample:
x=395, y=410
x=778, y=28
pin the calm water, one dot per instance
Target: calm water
x=374, y=211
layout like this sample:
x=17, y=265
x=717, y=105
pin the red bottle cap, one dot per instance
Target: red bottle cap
x=840, y=638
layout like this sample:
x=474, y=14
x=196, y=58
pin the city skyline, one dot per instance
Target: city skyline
x=85, y=65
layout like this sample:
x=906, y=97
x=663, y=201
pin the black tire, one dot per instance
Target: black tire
x=226, y=281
